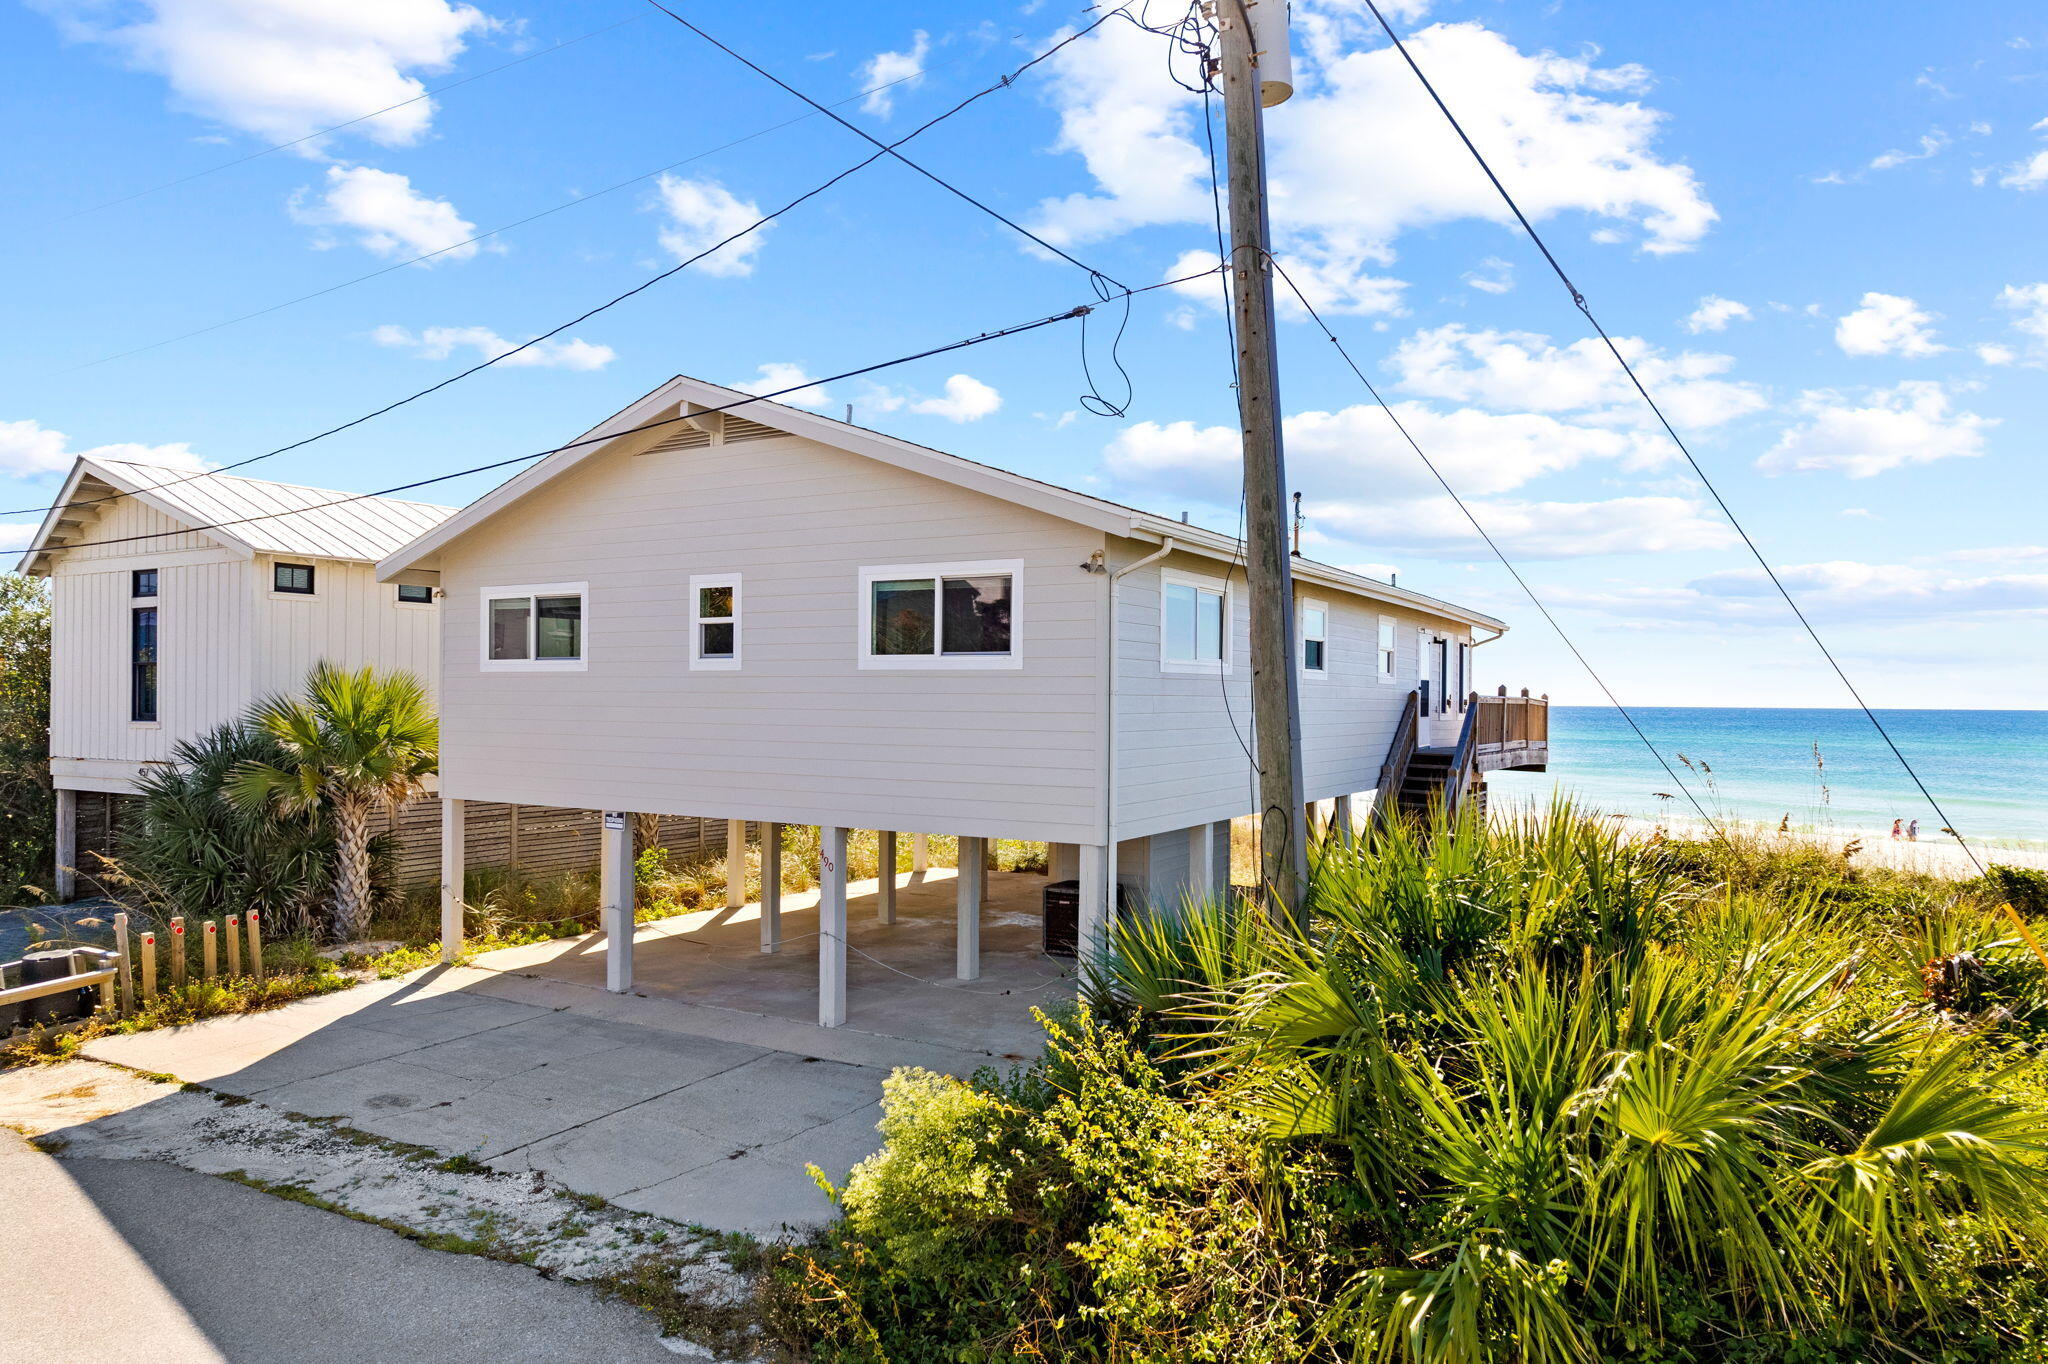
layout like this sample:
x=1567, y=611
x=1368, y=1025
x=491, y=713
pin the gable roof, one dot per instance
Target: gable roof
x=665, y=411
x=248, y=515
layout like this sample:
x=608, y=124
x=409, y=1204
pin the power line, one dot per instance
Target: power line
x=1579, y=301
x=1001, y=83
x=1498, y=553
x=350, y=123
x=481, y=236
x=1069, y=315
x=890, y=149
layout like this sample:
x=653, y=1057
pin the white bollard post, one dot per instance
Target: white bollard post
x=615, y=894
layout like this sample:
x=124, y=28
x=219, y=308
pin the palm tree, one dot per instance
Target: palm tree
x=354, y=741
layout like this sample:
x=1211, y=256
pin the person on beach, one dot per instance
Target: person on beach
x=1913, y=832
x=1898, y=830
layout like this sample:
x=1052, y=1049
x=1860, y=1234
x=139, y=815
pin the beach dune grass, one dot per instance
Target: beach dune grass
x=1527, y=1090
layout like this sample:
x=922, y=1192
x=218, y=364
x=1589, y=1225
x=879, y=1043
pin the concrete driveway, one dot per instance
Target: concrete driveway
x=701, y=1115
x=142, y=1261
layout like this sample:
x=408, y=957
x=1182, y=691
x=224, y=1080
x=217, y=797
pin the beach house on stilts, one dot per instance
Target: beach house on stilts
x=722, y=607
x=180, y=599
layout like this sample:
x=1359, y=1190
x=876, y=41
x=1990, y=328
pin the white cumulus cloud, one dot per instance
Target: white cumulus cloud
x=1523, y=371
x=2030, y=173
x=1715, y=313
x=703, y=212
x=385, y=213
x=438, y=343
x=1372, y=493
x=777, y=375
x=966, y=399
x=1887, y=324
x=1567, y=133
x=281, y=69
x=1915, y=422
x=2028, y=303
x=28, y=448
x=885, y=73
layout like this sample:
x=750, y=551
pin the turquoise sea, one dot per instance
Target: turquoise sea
x=1988, y=768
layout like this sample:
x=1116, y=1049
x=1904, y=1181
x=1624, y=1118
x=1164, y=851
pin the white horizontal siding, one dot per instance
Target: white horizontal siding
x=800, y=734
x=1182, y=739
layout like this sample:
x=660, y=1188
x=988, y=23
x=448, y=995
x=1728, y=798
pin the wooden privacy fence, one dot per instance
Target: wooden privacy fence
x=134, y=972
x=537, y=839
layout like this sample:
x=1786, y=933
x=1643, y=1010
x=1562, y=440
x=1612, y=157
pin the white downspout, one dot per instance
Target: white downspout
x=1109, y=728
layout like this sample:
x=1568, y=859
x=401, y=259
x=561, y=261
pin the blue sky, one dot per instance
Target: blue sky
x=1818, y=226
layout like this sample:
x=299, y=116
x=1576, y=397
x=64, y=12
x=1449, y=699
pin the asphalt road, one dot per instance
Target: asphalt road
x=114, y=1261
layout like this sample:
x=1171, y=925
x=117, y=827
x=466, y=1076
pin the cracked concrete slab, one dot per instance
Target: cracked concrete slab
x=706, y=1093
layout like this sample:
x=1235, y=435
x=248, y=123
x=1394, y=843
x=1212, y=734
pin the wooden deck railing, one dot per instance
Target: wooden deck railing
x=1509, y=731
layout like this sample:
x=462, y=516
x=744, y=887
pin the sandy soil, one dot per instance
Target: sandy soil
x=1938, y=856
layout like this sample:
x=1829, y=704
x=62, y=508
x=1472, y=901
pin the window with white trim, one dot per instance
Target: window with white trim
x=1194, y=622
x=715, y=621
x=1313, y=630
x=962, y=615
x=1386, y=648
x=1464, y=673
x=536, y=628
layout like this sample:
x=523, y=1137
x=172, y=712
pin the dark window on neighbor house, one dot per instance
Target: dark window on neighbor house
x=415, y=592
x=144, y=583
x=142, y=663
x=296, y=578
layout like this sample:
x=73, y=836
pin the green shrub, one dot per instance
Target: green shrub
x=1523, y=1093
x=191, y=851
x=2024, y=888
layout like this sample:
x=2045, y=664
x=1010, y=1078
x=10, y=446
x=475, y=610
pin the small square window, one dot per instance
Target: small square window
x=1191, y=623
x=715, y=621
x=1315, y=637
x=144, y=584
x=415, y=593
x=294, y=578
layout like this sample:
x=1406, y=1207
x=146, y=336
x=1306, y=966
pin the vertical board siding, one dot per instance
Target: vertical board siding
x=224, y=639
x=351, y=619
x=800, y=733
x=202, y=635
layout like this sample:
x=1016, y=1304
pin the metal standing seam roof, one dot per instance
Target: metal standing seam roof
x=246, y=510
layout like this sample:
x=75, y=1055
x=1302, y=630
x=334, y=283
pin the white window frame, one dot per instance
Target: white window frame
x=1226, y=636
x=715, y=663
x=864, y=617
x=1301, y=637
x=1462, y=663
x=1386, y=648
x=529, y=664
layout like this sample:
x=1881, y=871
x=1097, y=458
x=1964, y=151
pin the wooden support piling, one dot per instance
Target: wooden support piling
x=233, y=933
x=122, y=976
x=177, y=946
x=211, y=964
x=148, y=967
x=255, y=946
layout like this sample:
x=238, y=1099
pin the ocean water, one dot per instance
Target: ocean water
x=1988, y=768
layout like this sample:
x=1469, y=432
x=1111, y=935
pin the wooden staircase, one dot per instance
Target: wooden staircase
x=1499, y=732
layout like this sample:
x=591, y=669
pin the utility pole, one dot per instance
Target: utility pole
x=1256, y=71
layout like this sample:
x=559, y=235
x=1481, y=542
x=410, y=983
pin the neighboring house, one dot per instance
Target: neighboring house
x=177, y=602
x=773, y=616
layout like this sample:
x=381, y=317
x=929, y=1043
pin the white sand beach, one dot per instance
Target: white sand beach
x=1935, y=855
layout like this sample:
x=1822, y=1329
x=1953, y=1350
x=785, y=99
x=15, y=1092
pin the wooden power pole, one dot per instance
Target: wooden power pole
x=1255, y=72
